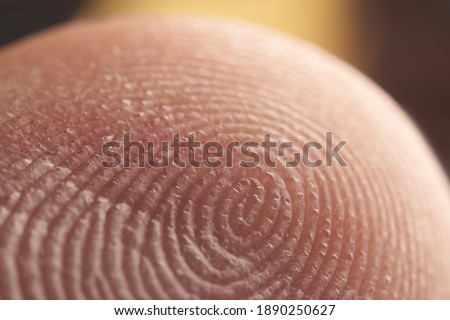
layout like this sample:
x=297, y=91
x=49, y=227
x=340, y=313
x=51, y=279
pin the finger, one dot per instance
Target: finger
x=71, y=228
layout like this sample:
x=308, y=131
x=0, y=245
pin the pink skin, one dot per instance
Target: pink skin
x=69, y=228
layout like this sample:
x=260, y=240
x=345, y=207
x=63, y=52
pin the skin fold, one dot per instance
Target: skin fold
x=70, y=228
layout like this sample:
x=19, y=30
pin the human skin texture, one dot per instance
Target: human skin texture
x=71, y=228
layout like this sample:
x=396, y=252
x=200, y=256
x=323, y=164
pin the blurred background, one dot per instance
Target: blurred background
x=403, y=45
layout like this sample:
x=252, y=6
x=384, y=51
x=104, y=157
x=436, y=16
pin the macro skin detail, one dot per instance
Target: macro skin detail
x=70, y=228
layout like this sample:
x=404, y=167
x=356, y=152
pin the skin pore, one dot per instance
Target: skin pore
x=71, y=228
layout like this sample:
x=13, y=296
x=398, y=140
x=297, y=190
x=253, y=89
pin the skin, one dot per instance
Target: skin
x=70, y=228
